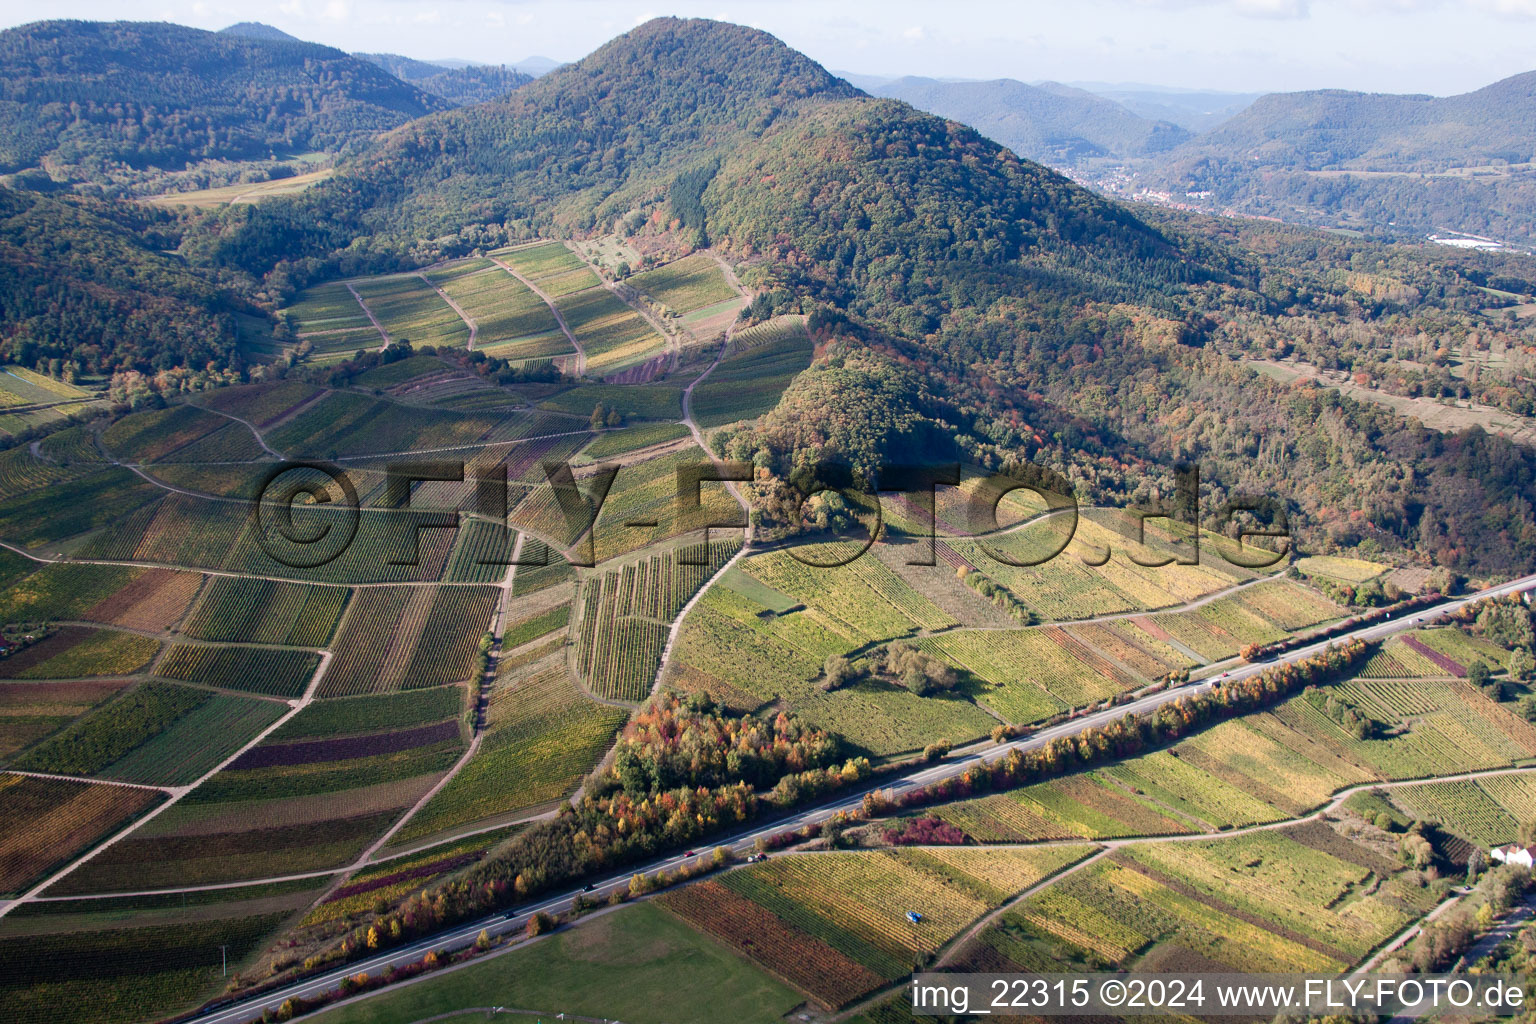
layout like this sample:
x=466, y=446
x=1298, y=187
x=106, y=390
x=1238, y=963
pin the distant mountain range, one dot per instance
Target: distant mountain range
x=1380, y=163
x=1371, y=161
x=1052, y=123
x=1198, y=110
x=468, y=84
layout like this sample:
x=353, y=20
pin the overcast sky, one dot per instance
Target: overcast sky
x=1434, y=46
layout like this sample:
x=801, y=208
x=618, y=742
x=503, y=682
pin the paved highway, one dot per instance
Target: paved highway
x=250, y=1009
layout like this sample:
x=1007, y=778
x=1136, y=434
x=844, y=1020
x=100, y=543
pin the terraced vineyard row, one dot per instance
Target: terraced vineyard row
x=625, y=616
x=408, y=637
x=267, y=612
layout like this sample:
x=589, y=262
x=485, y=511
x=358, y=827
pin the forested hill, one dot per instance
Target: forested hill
x=1051, y=123
x=1374, y=161
x=722, y=128
x=964, y=301
x=459, y=86
x=587, y=141
x=84, y=282
x=1334, y=129
x=107, y=102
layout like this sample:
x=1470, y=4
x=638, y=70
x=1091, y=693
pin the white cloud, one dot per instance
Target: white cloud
x=914, y=33
x=1273, y=8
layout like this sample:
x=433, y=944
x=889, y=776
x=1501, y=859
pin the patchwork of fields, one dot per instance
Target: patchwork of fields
x=833, y=924
x=1300, y=899
x=379, y=721
x=1267, y=766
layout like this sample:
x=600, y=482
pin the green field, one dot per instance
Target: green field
x=748, y=382
x=542, y=736
x=411, y=310
x=511, y=321
x=612, y=335
x=686, y=284
x=267, y=612
x=637, y=964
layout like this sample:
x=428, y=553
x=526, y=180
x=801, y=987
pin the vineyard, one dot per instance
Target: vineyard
x=394, y=879
x=273, y=671
x=232, y=442
x=72, y=446
x=29, y=712
x=686, y=284
x=612, y=334
x=1266, y=766
x=343, y=423
x=408, y=637
x=1259, y=614
x=112, y=731
x=633, y=401
x=141, y=968
x=532, y=578
x=527, y=630
x=740, y=652
x=21, y=471
x=1066, y=587
x=380, y=713
x=222, y=535
x=861, y=601
x=1088, y=806
x=62, y=591
x=856, y=903
x=803, y=960
x=632, y=439
x=411, y=310
x=196, y=743
x=267, y=612
x=1350, y=570
x=511, y=322
x=52, y=821
x=287, y=805
x=748, y=382
x=67, y=509
x=646, y=492
x=263, y=404
x=542, y=736
x=330, y=319
x=75, y=651
x=1031, y=674
x=550, y=265
x=1487, y=812
x=1295, y=900
x=482, y=553
x=156, y=433
x=625, y=615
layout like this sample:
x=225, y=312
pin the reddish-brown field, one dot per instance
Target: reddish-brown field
x=805, y=962
x=156, y=600
x=52, y=820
